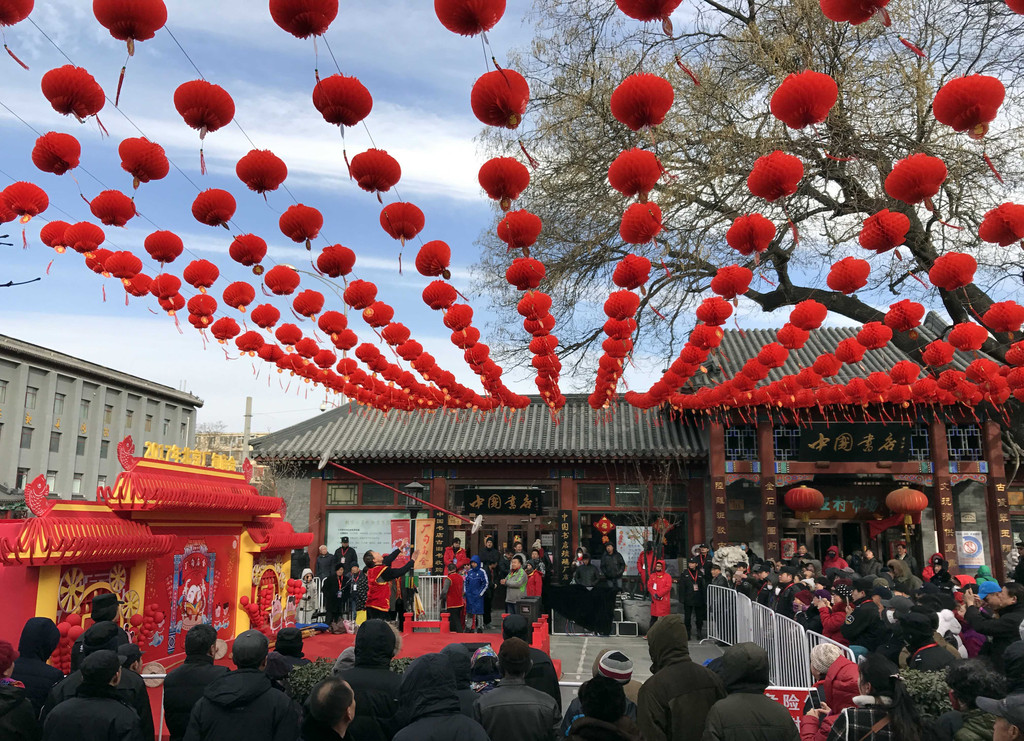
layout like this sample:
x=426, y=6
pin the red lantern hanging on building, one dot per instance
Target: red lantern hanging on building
x=803, y=500
x=205, y=107
x=56, y=152
x=804, y=98
x=604, y=525
x=642, y=101
x=938, y=353
x=907, y=502
x=874, y=335
x=499, y=98
x=969, y=103
x=968, y=336
x=504, y=179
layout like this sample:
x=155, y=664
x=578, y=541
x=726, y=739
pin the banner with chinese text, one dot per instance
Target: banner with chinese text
x=400, y=540
x=440, y=539
x=869, y=441
x=563, y=545
x=424, y=543
x=502, y=501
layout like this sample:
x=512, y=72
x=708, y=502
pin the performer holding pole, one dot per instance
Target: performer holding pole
x=379, y=574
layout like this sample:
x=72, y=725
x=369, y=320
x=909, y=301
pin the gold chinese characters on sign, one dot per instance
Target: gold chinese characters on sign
x=176, y=454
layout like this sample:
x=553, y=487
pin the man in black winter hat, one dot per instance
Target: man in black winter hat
x=104, y=608
x=98, y=711
x=186, y=684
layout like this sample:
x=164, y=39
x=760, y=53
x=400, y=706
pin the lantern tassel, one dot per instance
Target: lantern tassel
x=992, y=167
x=533, y=163
x=24, y=240
x=684, y=68
x=912, y=47
x=886, y=19
x=48, y=266
x=839, y=159
x=103, y=129
x=202, y=161
x=120, y=82
x=103, y=289
x=915, y=277
x=14, y=56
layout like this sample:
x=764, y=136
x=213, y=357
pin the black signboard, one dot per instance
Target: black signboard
x=440, y=541
x=503, y=501
x=563, y=545
x=855, y=442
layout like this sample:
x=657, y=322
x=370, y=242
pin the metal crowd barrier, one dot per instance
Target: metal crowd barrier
x=429, y=590
x=733, y=618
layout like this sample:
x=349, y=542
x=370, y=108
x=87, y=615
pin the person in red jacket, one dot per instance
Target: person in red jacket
x=645, y=565
x=454, y=595
x=454, y=554
x=839, y=685
x=534, y=580
x=379, y=574
x=833, y=614
x=659, y=586
x=833, y=560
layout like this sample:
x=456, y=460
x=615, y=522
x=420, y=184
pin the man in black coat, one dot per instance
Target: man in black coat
x=902, y=554
x=242, y=703
x=863, y=625
x=185, y=684
x=1018, y=570
x=325, y=564
x=613, y=566
x=38, y=640
x=131, y=689
x=919, y=635
x=329, y=711
x=431, y=704
x=541, y=675
x=489, y=558
x=375, y=685
x=458, y=656
x=104, y=608
x=289, y=646
x=346, y=555
x=300, y=562
x=97, y=712
x=788, y=588
x=762, y=585
x=1003, y=629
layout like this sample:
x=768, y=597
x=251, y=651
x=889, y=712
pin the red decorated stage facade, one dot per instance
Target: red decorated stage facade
x=179, y=544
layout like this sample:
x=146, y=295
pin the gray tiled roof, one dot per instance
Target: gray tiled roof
x=578, y=433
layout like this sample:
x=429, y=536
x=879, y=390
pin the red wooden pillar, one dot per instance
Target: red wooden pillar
x=695, y=499
x=317, y=515
x=998, y=508
x=942, y=488
x=769, y=495
x=567, y=500
x=716, y=467
x=439, y=494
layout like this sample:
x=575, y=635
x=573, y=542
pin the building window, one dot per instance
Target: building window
x=54, y=442
x=630, y=495
x=3, y=391
x=101, y=481
x=741, y=443
x=51, y=480
x=377, y=495
x=184, y=431
x=26, y=438
x=104, y=448
x=58, y=405
x=167, y=426
x=787, y=443
x=149, y=423
x=80, y=448
x=22, y=478
x=341, y=494
x=670, y=495
x=108, y=414
x=31, y=392
x=920, y=444
x=594, y=495
x=129, y=420
x=76, y=485
x=83, y=411
x=964, y=443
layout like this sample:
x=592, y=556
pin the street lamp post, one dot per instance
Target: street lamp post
x=415, y=489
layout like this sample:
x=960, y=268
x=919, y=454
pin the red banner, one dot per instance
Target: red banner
x=400, y=539
x=791, y=698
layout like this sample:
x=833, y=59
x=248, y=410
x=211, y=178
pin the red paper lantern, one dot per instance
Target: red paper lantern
x=499, y=98
x=378, y=314
x=850, y=351
x=642, y=101
x=375, y=171
x=525, y=273
x=341, y=100
x=52, y=235
x=907, y=502
x=139, y=285
x=827, y=365
x=12, y=12
x=469, y=17
x=164, y=246
x=804, y=98
x=113, y=208
x=214, y=207
x=247, y=249
x=772, y=355
x=57, y=153
x=641, y=223
x=395, y=334
x=808, y=314
x=621, y=305
x=968, y=336
x=143, y=160
x=304, y=18
x=265, y=316
x=874, y=335
x=72, y=91
x=433, y=259
x=439, y=295
x=519, y=229
x=534, y=305
x=458, y=317
x=203, y=306
x=775, y=176
x=164, y=286
x=131, y=20
x=938, y=353
x=359, y=294
x=635, y=172
x=803, y=500
x=853, y=11
x=25, y=200
x=204, y=106
x=952, y=271
x=325, y=359
x=96, y=261
x=790, y=336
x=261, y=170
x=238, y=295
x=172, y=304
x=648, y=10
x=336, y=260
x=731, y=281
x=1003, y=225
x=402, y=220
x=905, y=372
x=288, y=334
x=884, y=231
x=201, y=274
x=225, y=329
x=750, y=234
x=904, y=315
x=1004, y=316
x=83, y=237
x=308, y=303
x=301, y=223
x=504, y=179
x=281, y=280
x=631, y=272
x=122, y=264
x=848, y=275
x=916, y=178
x=969, y=103
x=306, y=348
x=714, y=311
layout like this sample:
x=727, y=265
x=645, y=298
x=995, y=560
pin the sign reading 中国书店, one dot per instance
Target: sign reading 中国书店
x=502, y=501
x=855, y=442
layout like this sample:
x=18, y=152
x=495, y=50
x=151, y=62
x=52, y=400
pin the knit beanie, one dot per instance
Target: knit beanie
x=616, y=665
x=8, y=655
x=822, y=657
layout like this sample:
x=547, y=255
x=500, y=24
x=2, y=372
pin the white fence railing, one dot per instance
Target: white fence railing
x=733, y=618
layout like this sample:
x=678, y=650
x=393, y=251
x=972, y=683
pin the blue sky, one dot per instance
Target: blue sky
x=420, y=76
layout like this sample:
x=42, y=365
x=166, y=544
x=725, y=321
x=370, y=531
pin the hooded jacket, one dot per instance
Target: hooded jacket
x=95, y=713
x=458, y=656
x=243, y=704
x=833, y=560
x=131, y=691
x=592, y=729
x=941, y=577
x=475, y=584
x=38, y=640
x=674, y=703
x=984, y=574
x=928, y=572
x=430, y=701
x=839, y=688
x=613, y=565
x=184, y=686
x=746, y=714
x=376, y=687
x=903, y=580
x=575, y=710
x=659, y=586
x=17, y=718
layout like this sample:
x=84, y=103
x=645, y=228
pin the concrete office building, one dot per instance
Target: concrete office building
x=63, y=417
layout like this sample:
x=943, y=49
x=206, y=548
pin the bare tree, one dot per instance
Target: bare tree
x=741, y=50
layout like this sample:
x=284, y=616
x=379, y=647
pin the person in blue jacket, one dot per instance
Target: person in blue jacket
x=475, y=587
